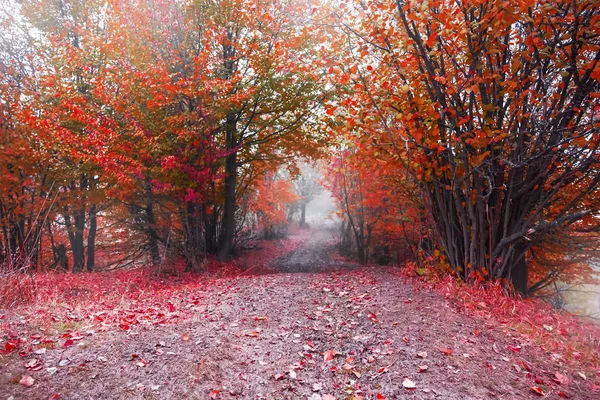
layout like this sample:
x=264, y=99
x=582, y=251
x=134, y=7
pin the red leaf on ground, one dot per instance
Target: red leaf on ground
x=68, y=342
x=446, y=351
x=214, y=393
x=422, y=354
x=170, y=307
x=538, y=390
x=525, y=365
x=423, y=368
x=8, y=347
x=380, y=396
x=372, y=317
x=328, y=355
x=26, y=380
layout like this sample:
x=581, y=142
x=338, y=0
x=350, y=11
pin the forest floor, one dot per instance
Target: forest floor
x=305, y=325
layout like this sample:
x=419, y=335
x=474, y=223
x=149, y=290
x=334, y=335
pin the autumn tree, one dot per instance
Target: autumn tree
x=491, y=107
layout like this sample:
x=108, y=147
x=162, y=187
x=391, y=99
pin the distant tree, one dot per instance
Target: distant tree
x=306, y=186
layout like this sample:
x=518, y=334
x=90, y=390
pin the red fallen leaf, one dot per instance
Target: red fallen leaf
x=563, y=395
x=560, y=378
x=372, y=317
x=68, y=342
x=538, y=390
x=328, y=355
x=476, y=332
x=8, y=347
x=380, y=396
x=214, y=393
x=185, y=337
x=405, y=340
x=278, y=377
x=170, y=307
x=55, y=396
x=446, y=351
x=382, y=370
x=260, y=318
x=27, y=381
x=422, y=354
x=252, y=334
x=539, y=381
x=525, y=365
x=423, y=368
x=514, y=349
x=408, y=384
x=125, y=327
x=141, y=363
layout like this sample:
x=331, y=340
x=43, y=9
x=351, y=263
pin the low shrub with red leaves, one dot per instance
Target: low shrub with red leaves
x=563, y=336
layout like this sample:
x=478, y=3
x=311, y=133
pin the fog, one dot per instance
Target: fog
x=321, y=209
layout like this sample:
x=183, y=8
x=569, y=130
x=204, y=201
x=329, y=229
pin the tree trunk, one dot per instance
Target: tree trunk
x=194, y=238
x=91, y=239
x=520, y=272
x=228, y=221
x=150, y=224
x=303, y=215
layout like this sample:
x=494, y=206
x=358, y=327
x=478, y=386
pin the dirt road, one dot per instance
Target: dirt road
x=348, y=334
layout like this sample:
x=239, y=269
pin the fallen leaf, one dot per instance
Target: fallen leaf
x=582, y=376
x=27, y=381
x=328, y=355
x=422, y=354
x=423, y=368
x=214, y=393
x=408, y=384
x=260, y=318
x=8, y=347
x=185, y=337
x=446, y=351
x=538, y=390
x=560, y=378
x=380, y=396
x=68, y=342
x=372, y=317
x=525, y=365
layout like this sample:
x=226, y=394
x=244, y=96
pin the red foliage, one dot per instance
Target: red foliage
x=563, y=337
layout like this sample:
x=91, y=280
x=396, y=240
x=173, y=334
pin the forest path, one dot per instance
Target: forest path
x=349, y=334
x=314, y=254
